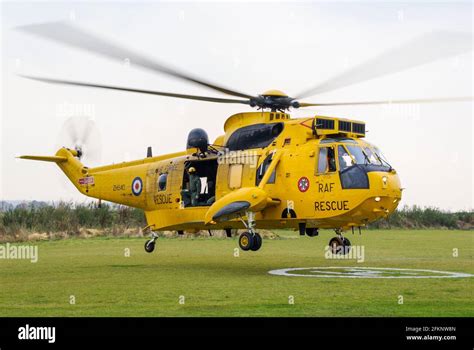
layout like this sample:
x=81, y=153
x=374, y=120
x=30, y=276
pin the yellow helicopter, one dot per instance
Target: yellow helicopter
x=267, y=170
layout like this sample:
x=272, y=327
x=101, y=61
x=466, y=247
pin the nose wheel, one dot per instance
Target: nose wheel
x=150, y=244
x=340, y=245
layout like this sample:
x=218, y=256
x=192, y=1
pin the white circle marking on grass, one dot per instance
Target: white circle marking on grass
x=365, y=272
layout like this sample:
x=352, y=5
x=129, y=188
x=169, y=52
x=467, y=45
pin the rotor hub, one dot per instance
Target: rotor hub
x=274, y=100
x=275, y=93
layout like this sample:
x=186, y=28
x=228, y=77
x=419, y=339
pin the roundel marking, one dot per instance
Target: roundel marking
x=137, y=186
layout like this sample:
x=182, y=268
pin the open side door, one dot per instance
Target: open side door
x=247, y=199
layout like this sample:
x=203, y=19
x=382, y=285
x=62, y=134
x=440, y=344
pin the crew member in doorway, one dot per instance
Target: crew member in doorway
x=194, y=186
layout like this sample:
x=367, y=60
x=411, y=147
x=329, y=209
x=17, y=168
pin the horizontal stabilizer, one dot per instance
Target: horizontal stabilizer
x=55, y=159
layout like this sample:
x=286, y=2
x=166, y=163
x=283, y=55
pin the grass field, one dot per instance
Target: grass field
x=104, y=282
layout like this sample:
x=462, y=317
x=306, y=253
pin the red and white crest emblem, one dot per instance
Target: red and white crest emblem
x=303, y=184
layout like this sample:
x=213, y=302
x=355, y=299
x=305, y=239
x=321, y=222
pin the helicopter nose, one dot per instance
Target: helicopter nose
x=386, y=191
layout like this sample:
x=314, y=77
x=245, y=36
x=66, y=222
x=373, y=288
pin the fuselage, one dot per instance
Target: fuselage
x=325, y=178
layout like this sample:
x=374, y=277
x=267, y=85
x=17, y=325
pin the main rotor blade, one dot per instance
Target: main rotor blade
x=150, y=92
x=68, y=34
x=425, y=100
x=424, y=49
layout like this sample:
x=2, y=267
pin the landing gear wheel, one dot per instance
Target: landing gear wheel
x=246, y=241
x=340, y=245
x=150, y=246
x=347, y=246
x=334, y=244
x=257, y=242
x=312, y=232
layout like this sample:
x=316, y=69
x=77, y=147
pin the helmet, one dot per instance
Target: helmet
x=192, y=170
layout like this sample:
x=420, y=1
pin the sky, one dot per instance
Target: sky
x=250, y=47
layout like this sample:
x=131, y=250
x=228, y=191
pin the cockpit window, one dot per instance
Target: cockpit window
x=373, y=158
x=381, y=157
x=326, y=160
x=345, y=159
x=359, y=156
x=323, y=153
x=349, y=152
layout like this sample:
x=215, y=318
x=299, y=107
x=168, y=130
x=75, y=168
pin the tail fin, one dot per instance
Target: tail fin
x=66, y=159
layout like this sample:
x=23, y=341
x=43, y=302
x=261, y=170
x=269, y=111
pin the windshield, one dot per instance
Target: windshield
x=375, y=155
x=364, y=154
x=349, y=154
x=373, y=158
x=358, y=155
x=345, y=159
x=381, y=157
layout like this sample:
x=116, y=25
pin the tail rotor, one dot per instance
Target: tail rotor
x=82, y=134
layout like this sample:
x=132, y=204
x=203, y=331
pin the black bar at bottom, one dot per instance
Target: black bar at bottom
x=338, y=331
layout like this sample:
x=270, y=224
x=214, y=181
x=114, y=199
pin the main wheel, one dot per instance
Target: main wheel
x=149, y=246
x=340, y=246
x=257, y=242
x=347, y=246
x=312, y=232
x=246, y=241
x=335, y=243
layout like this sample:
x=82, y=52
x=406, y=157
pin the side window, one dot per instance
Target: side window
x=162, y=182
x=326, y=160
x=322, y=159
x=235, y=175
x=262, y=169
x=272, y=178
